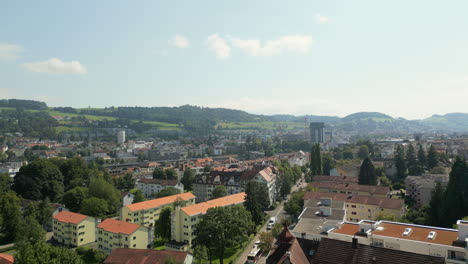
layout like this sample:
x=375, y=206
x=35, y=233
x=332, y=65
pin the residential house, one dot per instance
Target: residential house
x=150, y=187
x=72, y=229
x=287, y=250
x=420, y=188
x=354, y=189
x=447, y=243
x=185, y=218
x=147, y=212
x=113, y=233
x=6, y=259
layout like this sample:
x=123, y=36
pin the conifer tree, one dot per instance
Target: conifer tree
x=432, y=158
x=367, y=174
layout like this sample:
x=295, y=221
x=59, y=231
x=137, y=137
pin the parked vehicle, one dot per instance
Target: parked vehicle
x=254, y=255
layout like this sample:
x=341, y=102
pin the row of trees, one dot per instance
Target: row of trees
x=449, y=204
x=411, y=163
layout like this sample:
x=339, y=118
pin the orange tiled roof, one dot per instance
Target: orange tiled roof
x=444, y=236
x=70, y=217
x=116, y=226
x=160, y=201
x=6, y=259
x=349, y=229
x=201, y=208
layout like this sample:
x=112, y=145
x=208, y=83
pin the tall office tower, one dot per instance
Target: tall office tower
x=317, y=132
x=121, y=137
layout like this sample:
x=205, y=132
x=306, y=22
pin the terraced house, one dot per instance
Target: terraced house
x=184, y=219
x=234, y=181
x=147, y=212
x=72, y=229
x=113, y=233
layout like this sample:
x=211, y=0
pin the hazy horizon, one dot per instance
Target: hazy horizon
x=326, y=57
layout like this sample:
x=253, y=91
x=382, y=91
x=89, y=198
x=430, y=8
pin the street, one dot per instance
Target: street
x=280, y=214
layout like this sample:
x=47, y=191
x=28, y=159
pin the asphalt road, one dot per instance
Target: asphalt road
x=280, y=214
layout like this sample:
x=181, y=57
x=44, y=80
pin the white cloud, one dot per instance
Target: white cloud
x=56, y=66
x=179, y=41
x=321, y=19
x=294, y=43
x=219, y=45
x=9, y=51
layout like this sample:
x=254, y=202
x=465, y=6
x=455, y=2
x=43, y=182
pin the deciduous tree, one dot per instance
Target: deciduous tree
x=219, y=191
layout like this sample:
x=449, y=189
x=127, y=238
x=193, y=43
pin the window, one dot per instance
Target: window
x=353, y=206
x=134, y=237
x=134, y=245
x=353, y=213
x=368, y=210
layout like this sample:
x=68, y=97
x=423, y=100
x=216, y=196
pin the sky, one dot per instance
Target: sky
x=319, y=57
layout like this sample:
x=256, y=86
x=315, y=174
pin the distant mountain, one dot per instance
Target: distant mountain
x=457, y=122
x=201, y=118
x=366, y=115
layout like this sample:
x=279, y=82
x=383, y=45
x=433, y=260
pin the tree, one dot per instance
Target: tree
x=39, y=179
x=162, y=226
x=29, y=231
x=45, y=212
x=5, y=182
x=367, y=173
x=435, y=206
x=295, y=204
x=413, y=165
x=46, y=253
x=168, y=191
x=139, y=197
x=75, y=171
x=422, y=159
x=348, y=153
x=276, y=230
x=316, y=160
x=200, y=255
x=100, y=188
x=96, y=207
x=171, y=174
x=158, y=173
x=207, y=168
x=256, y=199
x=328, y=163
x=219, y=191
x=454, y=202
x=73, y=198
x=188, y=178
x=90, y=255
x=266, y=241
x=128, y=181
x=432, y=157
x=400, y=162
x=221, y=228
x=363, y=152
x=10, y=215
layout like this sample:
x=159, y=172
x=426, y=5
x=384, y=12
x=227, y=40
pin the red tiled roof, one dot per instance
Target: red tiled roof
x=386, y=203
x=160, y=201
x=143, y=256
x=116, y=226
x=337, y=179
x=349, y=229
x=69, y=217
x=352, y=187
x=201, y=208
x=444, y=236
x=6, y=259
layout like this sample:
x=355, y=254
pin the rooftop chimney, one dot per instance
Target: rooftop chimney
x=354, y=242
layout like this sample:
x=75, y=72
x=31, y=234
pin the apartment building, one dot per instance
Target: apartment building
x=359, y=207
x=420, y=188
x=147, y=212
x=184, y=219
x=150, y=187
x=450, y=244
x=354, y=189
x=113, y=233
x=72, y=229
x=234, y=181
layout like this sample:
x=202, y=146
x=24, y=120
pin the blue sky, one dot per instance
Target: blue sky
x=321, y=57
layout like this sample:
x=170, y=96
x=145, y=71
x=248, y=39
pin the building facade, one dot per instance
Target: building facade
x=147, y=212
x=72, y=229
x=317, y=132
x=150, y=187
x=113, y=233
x=184, y=219
x=450, y=244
